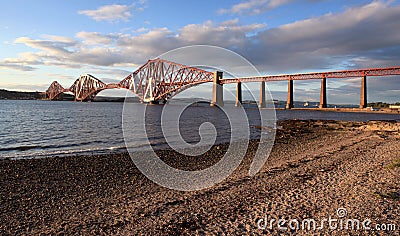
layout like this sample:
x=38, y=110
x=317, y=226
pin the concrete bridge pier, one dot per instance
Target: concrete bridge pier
x=322, y=99
x=218, y=91
x=262, y=103
x=238, y=94
x=289, y=103
x=363, y=94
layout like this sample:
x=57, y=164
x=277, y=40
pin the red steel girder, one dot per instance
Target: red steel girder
x=318, y=75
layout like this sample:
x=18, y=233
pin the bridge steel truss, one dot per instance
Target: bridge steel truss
x=318, y=75
x=159, y=80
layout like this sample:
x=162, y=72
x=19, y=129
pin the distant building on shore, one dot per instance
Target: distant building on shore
x=394, y=106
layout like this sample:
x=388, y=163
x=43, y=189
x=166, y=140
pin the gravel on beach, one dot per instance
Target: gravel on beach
x=316, y=170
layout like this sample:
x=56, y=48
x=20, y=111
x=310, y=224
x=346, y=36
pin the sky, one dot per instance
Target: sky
x=42, y=41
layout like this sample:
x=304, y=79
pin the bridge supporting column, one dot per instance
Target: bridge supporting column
x=289, y=103
x=238, y=94
x=262, y=103
x=363, y=94
x=218, y=92
x=322, y=99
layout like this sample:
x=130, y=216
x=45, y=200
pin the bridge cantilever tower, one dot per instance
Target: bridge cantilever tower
x=55, y=90
x=86, y=87
x=159, y=80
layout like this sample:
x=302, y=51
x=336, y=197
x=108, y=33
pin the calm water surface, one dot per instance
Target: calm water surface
x=45, y=128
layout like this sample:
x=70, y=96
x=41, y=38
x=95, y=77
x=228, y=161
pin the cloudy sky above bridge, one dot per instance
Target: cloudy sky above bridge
x=45, y=40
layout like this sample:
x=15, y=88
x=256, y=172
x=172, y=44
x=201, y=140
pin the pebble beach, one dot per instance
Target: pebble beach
x=315, y=169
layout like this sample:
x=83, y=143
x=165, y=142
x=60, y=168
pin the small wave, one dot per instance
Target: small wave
x=116, y=148
x=20, y=148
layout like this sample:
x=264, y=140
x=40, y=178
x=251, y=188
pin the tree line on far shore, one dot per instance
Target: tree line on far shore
x=382, y=104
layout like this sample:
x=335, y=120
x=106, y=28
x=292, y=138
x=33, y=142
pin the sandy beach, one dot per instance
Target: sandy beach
x=315, y=168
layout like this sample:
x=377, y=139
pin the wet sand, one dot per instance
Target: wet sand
x=315, y=168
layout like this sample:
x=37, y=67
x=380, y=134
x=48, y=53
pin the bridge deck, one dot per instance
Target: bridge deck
x=318, y=75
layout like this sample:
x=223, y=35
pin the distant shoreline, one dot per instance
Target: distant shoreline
x=366, y=110
x=338, y=109
x=279, y=105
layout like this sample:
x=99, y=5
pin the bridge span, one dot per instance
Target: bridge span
x=159, y=80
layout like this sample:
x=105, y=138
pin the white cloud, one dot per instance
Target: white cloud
x=327, y=41
x=96, y=38
x=26, y=58
x=98, y=49
x=141, y=30
x=357, y=37
x=228, y=23
x=51, y=45
x=254, y=7
x=60, y=39
x=110, y=13
x=14, y=66
x=228, y=34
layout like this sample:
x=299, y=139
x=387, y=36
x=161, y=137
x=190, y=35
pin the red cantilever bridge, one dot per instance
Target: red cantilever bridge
x=159, y=80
